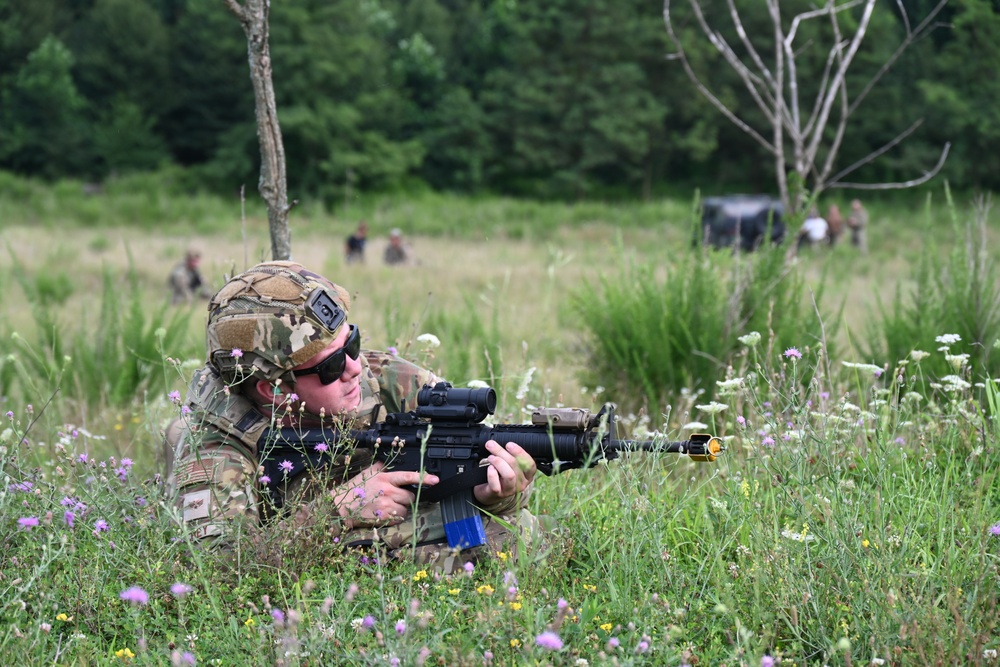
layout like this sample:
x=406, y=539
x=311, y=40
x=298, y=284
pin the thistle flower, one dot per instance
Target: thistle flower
x=549, y=640
x=792, y=353
x=286, y=466
x=135, y=595
x=237, y=353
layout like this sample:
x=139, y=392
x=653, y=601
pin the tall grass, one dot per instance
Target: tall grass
x=959, y=294
x=840, y=528
x=117, y=352
x=658, y=329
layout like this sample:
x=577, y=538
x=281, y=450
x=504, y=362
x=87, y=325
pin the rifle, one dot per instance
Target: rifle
x=443, y=436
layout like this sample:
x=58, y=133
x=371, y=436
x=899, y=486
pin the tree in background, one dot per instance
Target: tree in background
x=273, y=186
x=800, y=114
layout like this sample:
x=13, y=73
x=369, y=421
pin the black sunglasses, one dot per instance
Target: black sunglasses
x=330, y=369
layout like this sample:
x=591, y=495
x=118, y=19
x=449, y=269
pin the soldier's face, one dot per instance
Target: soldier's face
x=340, y=396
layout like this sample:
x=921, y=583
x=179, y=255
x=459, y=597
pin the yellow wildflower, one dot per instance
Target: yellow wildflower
x=606, y=627
x=865, y=543
x=422, y=574
x=124, y=654
x=590, y=587
x=745, y=489
x=64, y=618
x=454, y=591
x=514, y=643
x=515, y=606
x=249, y=622
x=485, y=589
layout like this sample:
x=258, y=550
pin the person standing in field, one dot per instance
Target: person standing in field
x=858, y=223
x=396, y=252
x=281, y=352
x=835, y=221
x=185, y=279
x=814, y=230
x=354, y=246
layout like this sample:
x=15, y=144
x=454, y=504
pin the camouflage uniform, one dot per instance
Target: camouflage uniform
x=218, y=449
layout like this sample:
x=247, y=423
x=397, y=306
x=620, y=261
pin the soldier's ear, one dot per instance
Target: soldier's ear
x=267, y=391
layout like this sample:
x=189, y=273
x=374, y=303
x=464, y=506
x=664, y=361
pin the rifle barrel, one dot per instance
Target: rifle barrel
x=700, y=447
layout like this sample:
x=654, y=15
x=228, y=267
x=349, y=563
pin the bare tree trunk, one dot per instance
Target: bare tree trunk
x=273, y=187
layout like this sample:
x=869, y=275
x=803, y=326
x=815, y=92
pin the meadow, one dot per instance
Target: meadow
x=854, y=519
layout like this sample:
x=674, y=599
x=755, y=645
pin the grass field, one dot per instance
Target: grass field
x=852, y=521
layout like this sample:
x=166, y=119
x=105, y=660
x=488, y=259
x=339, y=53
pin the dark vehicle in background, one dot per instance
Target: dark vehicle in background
x=742, y=220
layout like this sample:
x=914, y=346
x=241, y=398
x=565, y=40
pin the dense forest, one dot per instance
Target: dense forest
x=553, y=98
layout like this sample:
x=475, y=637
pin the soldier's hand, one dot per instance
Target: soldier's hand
x=376, y=497
x=510, y=472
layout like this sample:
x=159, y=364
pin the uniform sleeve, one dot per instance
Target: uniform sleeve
x=217, y=491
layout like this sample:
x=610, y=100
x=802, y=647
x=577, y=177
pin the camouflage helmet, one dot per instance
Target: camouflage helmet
x=271, y=318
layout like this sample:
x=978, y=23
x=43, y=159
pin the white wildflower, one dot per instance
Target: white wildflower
x=429, y=339
x=948, y=339
x=869, y=368
x=729, y=387
x=798, y=537
x=877, y=662
x=989, y=654
x=694, y=426
x=477, y=384
x=357, y=624
x=957, y=361
x=953, y=383
x=751, y=339
x=712, y=408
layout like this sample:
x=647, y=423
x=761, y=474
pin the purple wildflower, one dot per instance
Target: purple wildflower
x=126, y=462
x=66, y=501
x=469, y=567
x=185, y=410
x=69, y=517
x=792, y=353
x=767, y=661
x=82, y=458
x=237, y=353
x=741, y=420
x=286, y=466
x=135, y=595
x=995, y=529
x=561, y=604
x=642, y=647
x=28, y=522
x=265, y=480
x=614, y=643
x=321, y=447
x=140, y=501
x=391, y=350
x=549, y=640
x=174, y=396
x=10, y=414
x=400, y=627
x=393, y=661
x=278, y=615
x=768, y=441
x=359, y=493
x=100, y=526
x=487, y=657
x=179, y=590
x=187, y=658
x=292, y=397
x=368, y=622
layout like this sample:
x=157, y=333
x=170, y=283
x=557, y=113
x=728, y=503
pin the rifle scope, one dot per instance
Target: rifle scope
x=444, y=402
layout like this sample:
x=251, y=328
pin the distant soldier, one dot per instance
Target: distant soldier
x=185, y=279
x=835, y=220
x=814, y=230
x=858, y=222
x=396, y=252
x=354, y=246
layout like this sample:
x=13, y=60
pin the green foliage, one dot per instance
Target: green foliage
x=110, y=360
x=959, y=294
x=658, y=331
x=816, y=544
